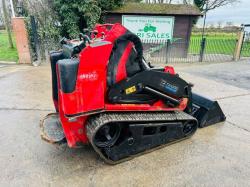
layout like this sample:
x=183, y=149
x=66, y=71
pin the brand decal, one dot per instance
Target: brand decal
x=92, y=76
x=169, y=87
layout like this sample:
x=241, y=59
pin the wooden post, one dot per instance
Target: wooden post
x=239, y=45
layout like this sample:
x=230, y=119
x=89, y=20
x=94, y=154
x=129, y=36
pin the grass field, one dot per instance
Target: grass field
x=246, y=49
x=218, y=44
x=214, y=44
x=7, y=54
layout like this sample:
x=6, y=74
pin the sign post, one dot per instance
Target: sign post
x=150, y=28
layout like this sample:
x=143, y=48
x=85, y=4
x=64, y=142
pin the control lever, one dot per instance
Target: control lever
x=63, y=41
x=86, y=32
x=95, y=32
x=103, y=35
x=84, y=37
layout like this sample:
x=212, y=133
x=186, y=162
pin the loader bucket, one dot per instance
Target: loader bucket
x=206, y=111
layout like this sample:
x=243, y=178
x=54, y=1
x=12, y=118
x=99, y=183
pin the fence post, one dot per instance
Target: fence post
x=202, y=50
x=167, y=50
x=239, y=45
x=35, y=37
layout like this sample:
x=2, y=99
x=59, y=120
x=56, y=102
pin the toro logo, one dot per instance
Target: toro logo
x=91, y=76
x=169, y=87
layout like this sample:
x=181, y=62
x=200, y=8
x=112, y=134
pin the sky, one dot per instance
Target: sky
x=237, y=13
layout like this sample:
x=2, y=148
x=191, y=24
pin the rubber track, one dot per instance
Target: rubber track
x=97, y=121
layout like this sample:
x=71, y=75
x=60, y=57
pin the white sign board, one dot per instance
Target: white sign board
x=150, y=28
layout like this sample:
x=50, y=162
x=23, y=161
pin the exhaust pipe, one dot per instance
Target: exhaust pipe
x=206, y=111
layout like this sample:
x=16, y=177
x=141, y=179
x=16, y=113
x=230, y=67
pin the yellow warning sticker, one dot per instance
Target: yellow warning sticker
x=130, y=90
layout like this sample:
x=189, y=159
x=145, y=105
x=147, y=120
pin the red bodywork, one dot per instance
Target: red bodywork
x=89, y=96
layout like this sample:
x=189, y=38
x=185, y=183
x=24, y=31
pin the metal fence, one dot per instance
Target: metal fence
x=195, y=50
x=245, y=48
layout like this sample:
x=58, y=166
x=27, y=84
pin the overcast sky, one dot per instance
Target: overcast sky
x=237, y=13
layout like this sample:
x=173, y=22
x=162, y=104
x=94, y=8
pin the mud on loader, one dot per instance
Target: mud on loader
x=106, y=94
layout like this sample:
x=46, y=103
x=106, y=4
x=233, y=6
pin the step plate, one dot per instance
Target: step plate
x=51, y=129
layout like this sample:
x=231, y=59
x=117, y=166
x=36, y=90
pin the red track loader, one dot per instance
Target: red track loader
x=106, y=95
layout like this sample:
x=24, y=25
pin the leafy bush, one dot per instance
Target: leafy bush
x=57, y=18
x=79, y=14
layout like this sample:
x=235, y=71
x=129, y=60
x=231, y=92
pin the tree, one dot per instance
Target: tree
x=206, y=5
x=57, y=18
x=211, y=26
x=164, y=1
x=69, y=17
x=229, y=24
x=79, y=14
x=133, y=1
x=111, y=4
x=7, y=23
x=219, y=24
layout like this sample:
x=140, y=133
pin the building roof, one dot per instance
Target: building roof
x=157, y=9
